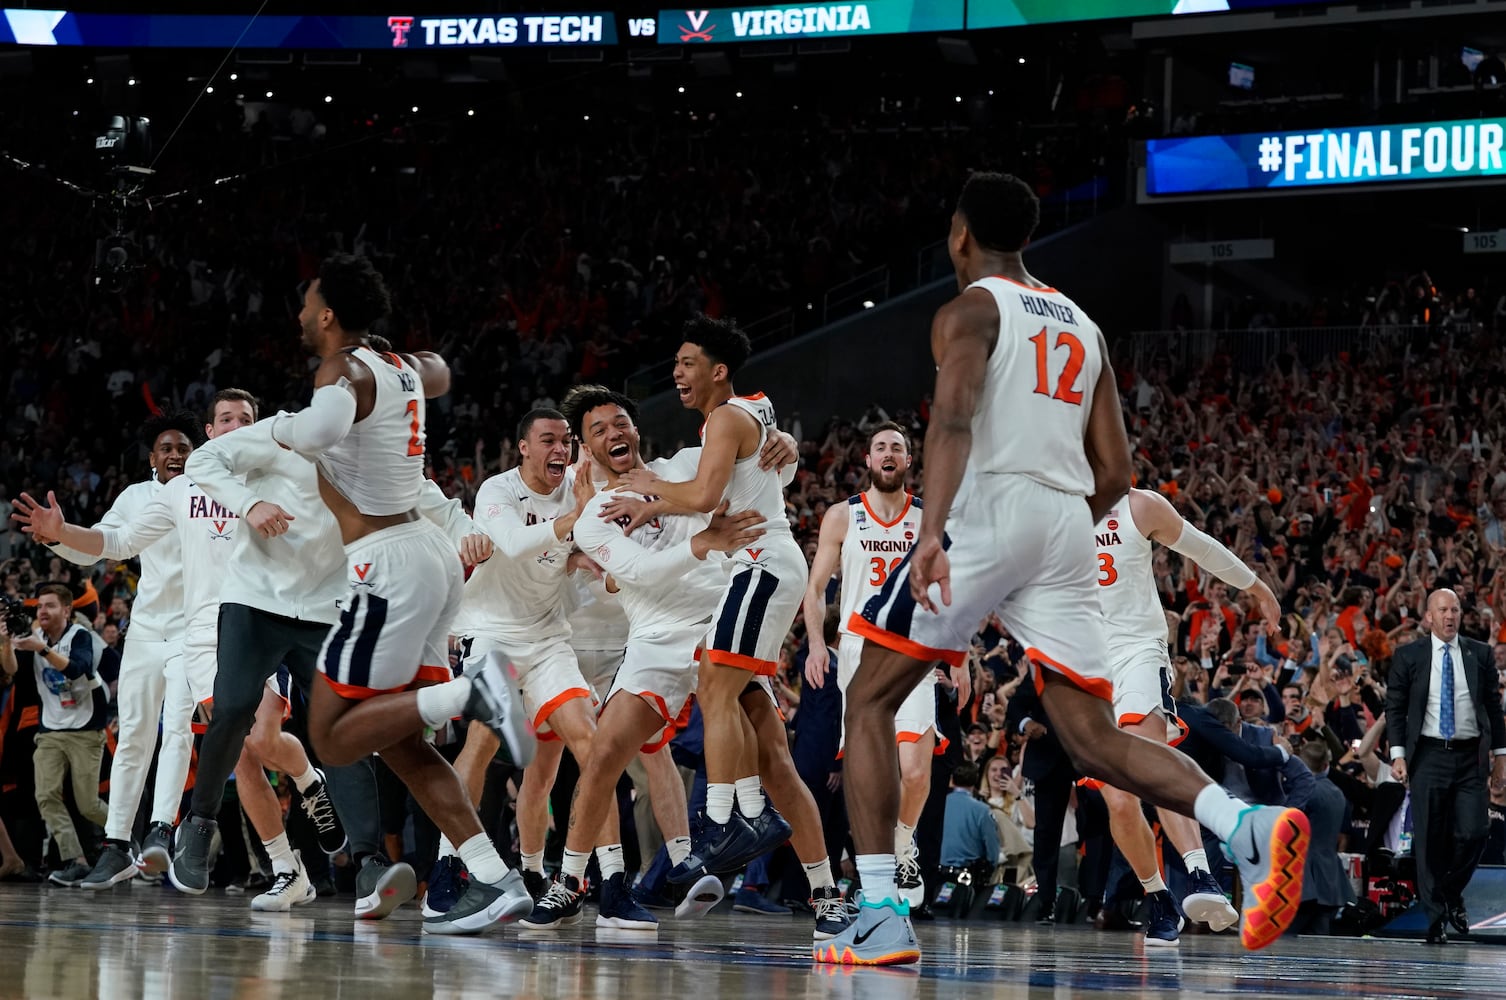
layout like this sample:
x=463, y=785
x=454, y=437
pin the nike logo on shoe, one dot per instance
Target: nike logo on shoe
x=858, y=939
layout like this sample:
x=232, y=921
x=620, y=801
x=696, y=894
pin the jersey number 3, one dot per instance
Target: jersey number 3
x=1107, y=574
x=1073, y=368
x=415, y=443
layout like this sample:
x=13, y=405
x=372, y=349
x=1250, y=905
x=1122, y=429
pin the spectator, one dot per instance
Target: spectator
x=1002, y=790
x=1325, y=885
x=969, y=836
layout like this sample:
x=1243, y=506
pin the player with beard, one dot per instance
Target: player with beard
x=668, y=587
x=867, y=537
x=150, y=658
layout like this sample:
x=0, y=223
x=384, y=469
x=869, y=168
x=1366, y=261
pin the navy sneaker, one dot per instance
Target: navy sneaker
x=651, y=900
x=1206, y=903
x=719, y=848
x=560, y=906
x=537, y=883
x=752, y=901
x=1163, y=924
x=772, y=830
x=447, y=883
x=620, y=910
x=832, y=915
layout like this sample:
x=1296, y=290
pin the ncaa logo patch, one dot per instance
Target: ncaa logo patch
x=493, y=510
x=909, y=536
x=1113, y=525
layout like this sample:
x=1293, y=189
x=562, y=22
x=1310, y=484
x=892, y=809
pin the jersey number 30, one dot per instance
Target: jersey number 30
x=1073, y=368
x=880, y=568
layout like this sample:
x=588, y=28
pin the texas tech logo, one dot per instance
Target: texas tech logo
x=400, y=26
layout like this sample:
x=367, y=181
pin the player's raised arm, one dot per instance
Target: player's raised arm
x=1106, y=443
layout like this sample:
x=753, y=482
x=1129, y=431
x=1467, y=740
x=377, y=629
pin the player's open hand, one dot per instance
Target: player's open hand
x=268, y=520
x=43, y=523
x=584, y=488
x=475, y=549
x=815, y=664
x=631, y=506
x=778, y=451
x=730, y=532
x=641, y=480
x=928, y=565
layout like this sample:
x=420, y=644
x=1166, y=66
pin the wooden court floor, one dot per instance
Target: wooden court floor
x=141, y=941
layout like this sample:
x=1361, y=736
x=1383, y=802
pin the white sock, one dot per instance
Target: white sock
x=719, y=798
x=482, y=860
x=610, y=860
x=876, y=871
x=304, y=780
x=904, y=838
x=749, y=797
x=575, y=864
x=1196, y=861
x=818, y=874
x=679, y=849
x=439, y=703
x=1218, y=811
x=447, y=849
x=281, y=853
x=533, y=861
x=1153, y=884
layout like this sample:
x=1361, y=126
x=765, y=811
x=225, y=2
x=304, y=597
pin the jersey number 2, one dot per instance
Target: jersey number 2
x=1073, y=368
x=415, y=443
x=881, y=569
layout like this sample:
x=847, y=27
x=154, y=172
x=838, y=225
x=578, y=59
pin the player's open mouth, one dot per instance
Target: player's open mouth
x=556, y=468
x=618, y=451
x=175, y=467
x=889, y=466
x=683, y=390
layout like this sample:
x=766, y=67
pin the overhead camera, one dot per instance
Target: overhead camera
x=123, y=147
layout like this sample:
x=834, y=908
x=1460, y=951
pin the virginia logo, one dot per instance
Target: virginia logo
x=361, y=571
x=694, y=32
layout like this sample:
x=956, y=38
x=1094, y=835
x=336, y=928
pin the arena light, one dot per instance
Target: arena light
x=328, y=99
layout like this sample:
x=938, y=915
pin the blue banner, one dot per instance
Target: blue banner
x=1380, y=154
x=221, y=31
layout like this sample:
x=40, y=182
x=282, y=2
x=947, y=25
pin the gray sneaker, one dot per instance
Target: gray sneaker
x=881, y=935
x=483, y=905
x=156, y=850
x=382, y=887
x=497, y=703
x=114, y=866
x=189, y=871
x=70, y=875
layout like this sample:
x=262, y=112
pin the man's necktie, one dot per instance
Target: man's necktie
x=1446, y=703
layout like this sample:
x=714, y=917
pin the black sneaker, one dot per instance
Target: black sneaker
x=156, y=850
x=114, y=866
x=73, y=874
x=560, y=906
x=321, y=812
x=382, y=887
x=189, y=871
x=831, y=913
x=537, y=883
x=718, y=848
x=771, y=830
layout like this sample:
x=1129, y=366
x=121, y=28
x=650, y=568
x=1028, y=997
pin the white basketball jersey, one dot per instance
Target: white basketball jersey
x=750, y=487
x=1038, y=389
x=379, y=465
x=872, y=550
x=1126, y=581
x=207, y=531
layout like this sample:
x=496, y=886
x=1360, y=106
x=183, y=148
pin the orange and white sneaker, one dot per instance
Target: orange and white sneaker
x=880, y=935
x=1270, y=847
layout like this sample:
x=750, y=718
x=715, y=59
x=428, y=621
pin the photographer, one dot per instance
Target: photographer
x=71, y=739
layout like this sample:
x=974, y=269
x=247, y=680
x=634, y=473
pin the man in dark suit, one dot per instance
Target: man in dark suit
x=1325, y=887
x=1443, y=718
x=1047, y=766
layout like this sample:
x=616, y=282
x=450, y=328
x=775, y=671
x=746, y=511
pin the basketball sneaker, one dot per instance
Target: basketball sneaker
x=382, y=887
x=771, y=829
x=620, y=910
x=114, y=866
x=482, y=905
x=538, y=884
x=189, y=871
x=446, y=885
x=1206, y=903
x=497, y=703
x=718, y=848
x=560, y=906
x=907, y=876
x=752, y=901
x=288, y=889
x=881, y=935
x=156, y=850
x=1163, y=924
x=1270, y=847
x=321, y=812
x=700, y=898
x=832, y=915
x=70, y=875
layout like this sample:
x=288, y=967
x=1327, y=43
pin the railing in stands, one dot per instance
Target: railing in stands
x=1253, y=350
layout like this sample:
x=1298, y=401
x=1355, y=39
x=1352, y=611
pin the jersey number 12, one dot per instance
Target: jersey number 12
x=1073, y=368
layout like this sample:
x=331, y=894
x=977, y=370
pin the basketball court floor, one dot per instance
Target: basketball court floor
x=141, y=941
